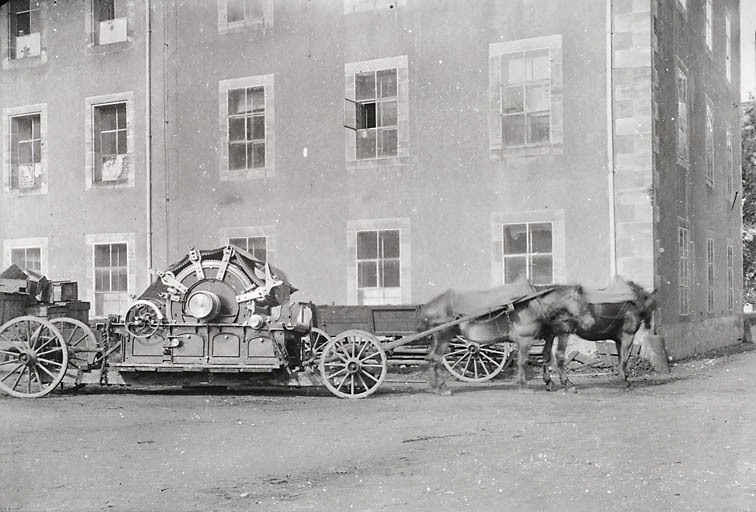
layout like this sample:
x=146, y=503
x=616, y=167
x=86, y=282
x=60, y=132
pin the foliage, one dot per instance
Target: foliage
x=748, y=144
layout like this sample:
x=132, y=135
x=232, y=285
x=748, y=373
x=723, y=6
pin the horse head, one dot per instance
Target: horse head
x=569, y=301
x=645, y=301
x=435, y=312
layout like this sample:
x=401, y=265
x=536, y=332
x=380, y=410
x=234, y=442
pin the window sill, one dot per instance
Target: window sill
x=241, y=26
x=110, y=185
x=26, y=62
x=377, y=163
x=37, y=191
x=105, y=49
x=247, y=174
x=526, y=151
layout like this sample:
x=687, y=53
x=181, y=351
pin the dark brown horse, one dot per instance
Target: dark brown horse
x=529, y=315
x=616, y=321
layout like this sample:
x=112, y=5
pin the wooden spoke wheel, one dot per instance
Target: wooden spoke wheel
x=353, y=364
x=33, y=357
x=469, y=361
x=314, y=343
x=80, y=340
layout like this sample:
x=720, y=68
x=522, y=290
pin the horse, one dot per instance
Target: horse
x=616, y=321
x=523, y=321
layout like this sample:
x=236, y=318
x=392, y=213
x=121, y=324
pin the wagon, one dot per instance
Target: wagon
x=222, y=317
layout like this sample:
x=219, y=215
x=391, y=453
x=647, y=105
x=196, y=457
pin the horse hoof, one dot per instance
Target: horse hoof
x=443, y=392
x=550, y=386
x=570, y=389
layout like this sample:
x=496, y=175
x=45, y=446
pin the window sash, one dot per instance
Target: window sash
x=729, y=174
x=710, y=274
x=27, y=258
x=257, y=246
x=709, y=14
x=530, y=257
x=683, y=271
x=730, y=278
x=728, y=49
x=377, y=114
x=110, y=142
x=525, y=98
x=378, y=262
x=26, y=148
x=682, y=115
x=246, y=128
x=709, y=145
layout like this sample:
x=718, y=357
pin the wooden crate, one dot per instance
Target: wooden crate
x=78, y=310
x=12, y=305
x=64, y=291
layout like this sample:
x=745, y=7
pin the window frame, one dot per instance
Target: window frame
x=709, y=142
x=710, y=284
x=709, y=24
x=247, y=117
x=90, y=166
x=40, y=243
x=92, y=240
x=381, y=292
x=224, y=87
x=729, y=165
x=529, y=254
x=252, y=250
x=264, y=22
x=9, y=114
x=268, y=232
x=683, y=270
x=379, y=128
x=123, y=295
x=683, y=116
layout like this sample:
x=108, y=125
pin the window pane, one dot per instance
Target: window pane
x=386, y=83
x=512, y=68
x=237, y=156
x=541, y=270
x=23, y=24
x=121, y=115
x=387, y=142
x=104, y=10
x=108, y=117
x=539, y=129
x=367, y=245
x=122, y=149
x=513, y=130
x=256, y=155
x=367, y=275
x=23, y=127
x=389, y=241
x=364, y=86
x=511, y=100
x=539, y=66
x=537, y=97
x=236, y=129
x=390, y=274
x=25, y=153
x=540, y=238
x=257, y=247
x=256, y=99
x=237, y=103
x=388, y=113
x=108, y=141
x=35, y=122
x=102, y=255
x=514, y=267
x=515, y=239
x=119, y=250
x=18, y=258
x=234, y=11
x=366, y=117
x=255, y=9
x=256, y=127
x=37, y=151
x=366, y=144
x=102, y=280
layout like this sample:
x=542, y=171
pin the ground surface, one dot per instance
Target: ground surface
x=684, y=441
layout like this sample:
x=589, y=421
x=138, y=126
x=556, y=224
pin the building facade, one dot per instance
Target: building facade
x=381, y=151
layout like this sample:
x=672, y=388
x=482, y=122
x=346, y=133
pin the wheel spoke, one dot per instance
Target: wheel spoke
x=44, y=344
x=76, y=343
x=39, y=380
x=331, y=376
x=11, y=372
x=14, y=361
x=23, y=371
x=352, y=384
x=455, y=352
x=58, y=349
x=368, y=374
x=42, y=367
x=466, y=356
x=364, y=346
x=467, y=365
x=367, y=365
x=341, y=384
x=475, y=367
x=49, y=362
x=368, y=357
x=493, y=361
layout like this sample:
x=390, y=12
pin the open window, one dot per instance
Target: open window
x=110, y=21
x=24, y=28
x=373, y=114
x=110, y=143
x=26, y=152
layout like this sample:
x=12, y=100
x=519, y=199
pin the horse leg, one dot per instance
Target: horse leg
x=432, y=381
x=546, y=368
x=625, y=344
x=436, y=356
x=563, y=378
x=522, y=362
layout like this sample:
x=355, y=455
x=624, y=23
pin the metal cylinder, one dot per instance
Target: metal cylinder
x=203, y=305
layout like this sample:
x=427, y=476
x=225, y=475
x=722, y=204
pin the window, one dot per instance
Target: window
x=110, y=279
x=528, y=251
x=110, y=143
x=109, y=21
x=24, y=28
x=709, y=144
x=526, y=98
x=682, y=116
x=256, y=246
x=730, y=278
x=378, y=267
x=237, y=11
x=709, y=15
x=728, y=44
x=247, y=121
x=710, y=275
x=26, y=152
x=246, y=128
x=376, y=109
x=236, y=15
x=109, y=123
x=729, y=171
x=683, y=271
x=27, y=258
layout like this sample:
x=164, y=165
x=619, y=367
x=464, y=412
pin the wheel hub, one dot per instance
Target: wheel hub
x=29, y=358
x=353, y=366
x=473, y=349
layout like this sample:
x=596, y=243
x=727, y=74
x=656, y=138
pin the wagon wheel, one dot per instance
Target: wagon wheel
x=33, y=357
x=474, y=362
x=314, y=343
x=80, y=340
x=353, y=364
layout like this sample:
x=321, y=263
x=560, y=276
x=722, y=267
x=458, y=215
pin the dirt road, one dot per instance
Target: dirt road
x=686, y=441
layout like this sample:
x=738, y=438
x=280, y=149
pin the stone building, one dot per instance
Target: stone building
x=381, y=151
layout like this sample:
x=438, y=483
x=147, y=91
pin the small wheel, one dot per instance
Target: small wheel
x=33, y=357
x=143, y=319
x=80, y=340
x=314, y=343
x=469, y=361
x=353, y=364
